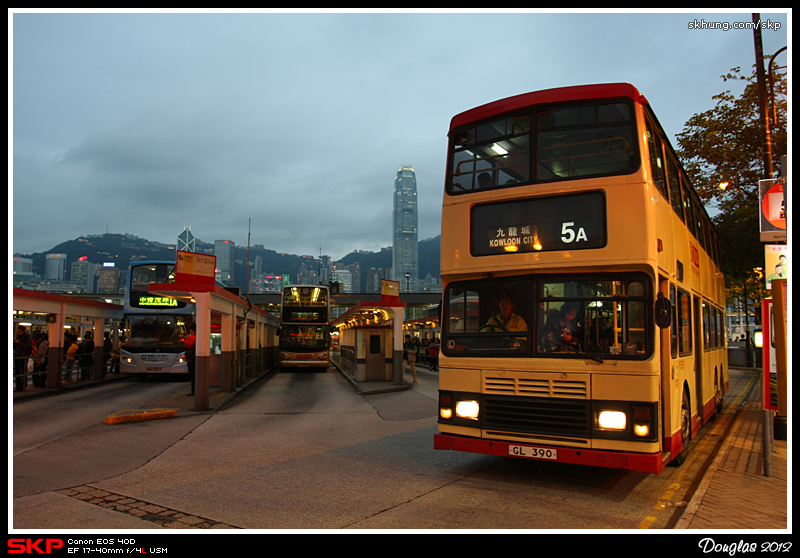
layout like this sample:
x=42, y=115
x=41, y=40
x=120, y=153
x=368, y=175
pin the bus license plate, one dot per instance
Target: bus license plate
x=152, y=369
x=535, y=453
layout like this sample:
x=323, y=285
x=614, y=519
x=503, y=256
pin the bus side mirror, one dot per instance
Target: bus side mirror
x=663, y=311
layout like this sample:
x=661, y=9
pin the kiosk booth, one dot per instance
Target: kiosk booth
x=371, y=338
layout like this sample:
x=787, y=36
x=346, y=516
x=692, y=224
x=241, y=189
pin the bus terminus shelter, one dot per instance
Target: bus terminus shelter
x=371, y=337
x=59, y=312
x=249, y=336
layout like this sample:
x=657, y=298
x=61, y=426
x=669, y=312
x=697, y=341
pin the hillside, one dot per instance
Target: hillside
x=122, y=249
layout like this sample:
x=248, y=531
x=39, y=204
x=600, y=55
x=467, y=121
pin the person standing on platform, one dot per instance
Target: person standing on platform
x=86, y=359
x=191, y=344
x=22, y=352
x=40, y=360
x=410, y=356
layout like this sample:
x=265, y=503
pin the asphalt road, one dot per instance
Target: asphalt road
x=304, y=451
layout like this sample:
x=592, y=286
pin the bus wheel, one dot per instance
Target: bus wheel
x=686, y=430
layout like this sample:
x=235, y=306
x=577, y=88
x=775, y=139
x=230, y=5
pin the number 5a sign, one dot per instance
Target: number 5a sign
x=571, y=222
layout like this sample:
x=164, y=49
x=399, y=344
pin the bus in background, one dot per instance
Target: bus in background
x=304, y=340
x=153, y=327
x=583, y=298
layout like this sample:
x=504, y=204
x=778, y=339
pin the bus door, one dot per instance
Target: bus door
x=667, y=334
x=699, y=351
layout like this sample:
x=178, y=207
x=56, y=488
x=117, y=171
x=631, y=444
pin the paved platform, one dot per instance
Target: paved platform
x=735, y=493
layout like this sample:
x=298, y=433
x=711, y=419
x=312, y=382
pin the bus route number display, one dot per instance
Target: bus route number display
x=571, y=222
x=144, y=300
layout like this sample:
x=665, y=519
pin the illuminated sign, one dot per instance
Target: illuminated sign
x=773, y=210
x=574, y=222
x=143, y=300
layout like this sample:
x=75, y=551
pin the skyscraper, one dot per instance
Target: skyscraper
x=55, y=267
x=186, y=240
x=405, y=250
x=224, y=250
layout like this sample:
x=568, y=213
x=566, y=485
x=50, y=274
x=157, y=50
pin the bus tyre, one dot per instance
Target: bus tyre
x=686, y=430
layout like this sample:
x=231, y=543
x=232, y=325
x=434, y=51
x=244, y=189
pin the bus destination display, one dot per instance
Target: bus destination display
x=571, y=222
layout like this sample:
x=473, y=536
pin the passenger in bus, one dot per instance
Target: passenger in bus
x=507, y=319
x=485, y=180
x=560, y=333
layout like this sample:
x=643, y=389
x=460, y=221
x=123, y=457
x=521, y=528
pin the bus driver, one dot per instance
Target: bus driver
x=507, y=319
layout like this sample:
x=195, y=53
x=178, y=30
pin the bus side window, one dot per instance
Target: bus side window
x=656, y=161
x=675, y=190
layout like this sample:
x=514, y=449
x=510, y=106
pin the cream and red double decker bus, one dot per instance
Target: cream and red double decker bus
x=583, y=305
x=305, y=340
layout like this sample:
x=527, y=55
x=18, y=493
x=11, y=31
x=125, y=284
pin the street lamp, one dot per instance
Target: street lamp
x=408, y=279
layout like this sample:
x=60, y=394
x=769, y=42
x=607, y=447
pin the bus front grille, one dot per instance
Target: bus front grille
x=544, y=386
x=537, y=415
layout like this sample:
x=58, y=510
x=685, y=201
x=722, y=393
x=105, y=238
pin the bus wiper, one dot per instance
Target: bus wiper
x=577, y=352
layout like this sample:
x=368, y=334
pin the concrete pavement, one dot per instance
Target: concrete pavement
x=734, y=492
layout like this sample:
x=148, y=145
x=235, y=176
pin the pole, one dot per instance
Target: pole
x=766, y=140
x=248, y=257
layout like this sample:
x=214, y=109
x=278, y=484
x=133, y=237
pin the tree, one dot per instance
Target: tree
x=723, y=145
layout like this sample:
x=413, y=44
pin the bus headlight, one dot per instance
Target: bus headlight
x=468, y=409
x=612, y=420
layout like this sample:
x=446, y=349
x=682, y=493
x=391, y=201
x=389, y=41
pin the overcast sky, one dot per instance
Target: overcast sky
x=142, y=123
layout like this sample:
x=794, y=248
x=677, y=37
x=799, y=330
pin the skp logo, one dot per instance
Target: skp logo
x=30, y=546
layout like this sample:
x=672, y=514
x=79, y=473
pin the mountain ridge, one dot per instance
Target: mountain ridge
x=122, y=249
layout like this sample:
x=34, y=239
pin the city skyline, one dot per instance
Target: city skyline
x=111, y=251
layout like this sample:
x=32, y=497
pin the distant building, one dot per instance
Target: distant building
x=224, y=250
x=405, y=250
x=84, y=273
x=343, y=277
x=186, y=241
x=22, y=270
x=374, y=278
x=108, y=280
x=55, y=267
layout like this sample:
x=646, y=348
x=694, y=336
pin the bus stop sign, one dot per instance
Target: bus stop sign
x=773, y=210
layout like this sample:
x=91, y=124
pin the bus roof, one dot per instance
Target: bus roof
x=559, y=94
